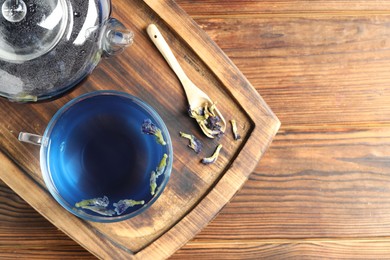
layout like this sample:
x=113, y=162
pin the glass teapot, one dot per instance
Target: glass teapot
x=49, y=46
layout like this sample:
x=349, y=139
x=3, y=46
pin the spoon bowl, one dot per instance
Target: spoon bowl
x=196, y=97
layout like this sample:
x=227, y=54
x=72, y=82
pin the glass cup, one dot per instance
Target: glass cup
x=105, y=156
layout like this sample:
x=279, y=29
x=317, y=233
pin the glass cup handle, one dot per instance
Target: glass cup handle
x=30, y=138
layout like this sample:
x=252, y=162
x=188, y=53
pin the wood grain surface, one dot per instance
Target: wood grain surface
x=196, y=192
x=322, y=189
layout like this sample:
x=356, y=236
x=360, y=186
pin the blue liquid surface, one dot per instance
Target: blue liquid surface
x=97, y=149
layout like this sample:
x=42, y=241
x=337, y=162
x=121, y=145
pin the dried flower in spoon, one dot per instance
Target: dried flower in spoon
x=214, y=157
x=207, y=119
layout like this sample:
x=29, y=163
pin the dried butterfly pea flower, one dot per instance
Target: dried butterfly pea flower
x=97, y=205
x=122, y=205
x=213, y=123
x=214, y=157
x=155, y=174
x=101, y=202
x=151, y=129
x=24, y=97
x=100, y=210
x=195, y=143
x=208, y=121
x=153, y=182
x=162, y=164
x=198, y=113
x=234, y=129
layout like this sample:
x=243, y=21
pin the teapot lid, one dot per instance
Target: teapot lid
x=30, y=30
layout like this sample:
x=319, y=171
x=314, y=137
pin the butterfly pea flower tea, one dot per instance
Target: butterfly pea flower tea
x=97, y=161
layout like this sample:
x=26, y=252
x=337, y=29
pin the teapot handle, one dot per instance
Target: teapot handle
x=116, y=37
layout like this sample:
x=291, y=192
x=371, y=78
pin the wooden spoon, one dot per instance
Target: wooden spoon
x=196, y=97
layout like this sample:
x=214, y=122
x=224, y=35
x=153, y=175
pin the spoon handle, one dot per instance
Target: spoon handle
x=166, y=52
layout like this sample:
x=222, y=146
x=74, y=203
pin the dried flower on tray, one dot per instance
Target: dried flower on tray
x=234, y=129
x=195, y=143
x=151, y=129
x=214, y=157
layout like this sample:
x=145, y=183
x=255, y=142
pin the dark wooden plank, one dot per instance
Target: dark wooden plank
x=287, y=249
x=317, y=71
x=306, y=199
x=24, y=233
x=314, y=184
x=244, y=8
x=327, y=187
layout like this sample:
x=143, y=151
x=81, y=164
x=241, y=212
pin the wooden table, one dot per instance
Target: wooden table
x=323, y=187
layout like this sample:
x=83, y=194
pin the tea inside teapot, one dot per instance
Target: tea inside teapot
x=48, y=46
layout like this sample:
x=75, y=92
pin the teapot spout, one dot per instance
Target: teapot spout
x=116, y=37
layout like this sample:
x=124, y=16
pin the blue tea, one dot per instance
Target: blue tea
x=101, y=158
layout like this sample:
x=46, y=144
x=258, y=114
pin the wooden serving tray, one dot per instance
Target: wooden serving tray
x=195, y=192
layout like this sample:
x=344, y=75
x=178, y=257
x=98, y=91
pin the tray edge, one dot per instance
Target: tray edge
x=186, y=227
